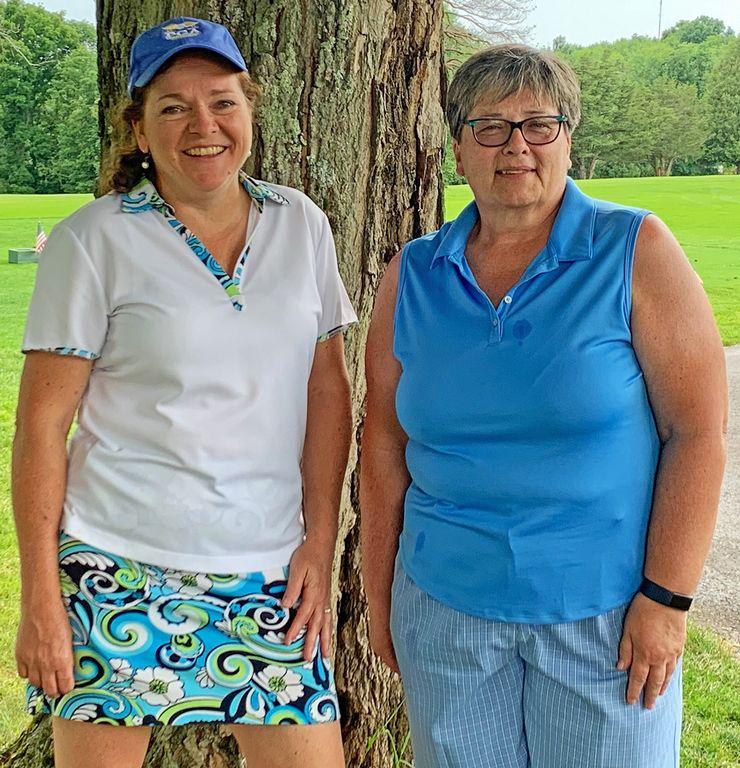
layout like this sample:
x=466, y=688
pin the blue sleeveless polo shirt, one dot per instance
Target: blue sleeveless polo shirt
x=532, y=445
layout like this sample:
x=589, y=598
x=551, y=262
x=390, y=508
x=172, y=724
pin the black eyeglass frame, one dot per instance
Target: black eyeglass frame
x=514, y=125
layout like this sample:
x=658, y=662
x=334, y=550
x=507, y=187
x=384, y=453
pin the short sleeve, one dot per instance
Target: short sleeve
x=68, y=310
x=336, y=310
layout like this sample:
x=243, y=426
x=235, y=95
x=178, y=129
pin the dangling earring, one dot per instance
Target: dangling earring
x=145, y=162
x=249, y=154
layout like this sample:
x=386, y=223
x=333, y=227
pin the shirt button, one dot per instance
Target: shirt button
x=507, y=299
x=495, y=321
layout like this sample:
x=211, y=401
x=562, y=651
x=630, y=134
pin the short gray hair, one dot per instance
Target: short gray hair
x=505, y=70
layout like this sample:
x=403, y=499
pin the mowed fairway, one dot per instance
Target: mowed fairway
x=699, y=210
x=704, y=214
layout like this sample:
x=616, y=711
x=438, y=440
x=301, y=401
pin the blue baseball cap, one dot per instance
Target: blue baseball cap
x=155, y=46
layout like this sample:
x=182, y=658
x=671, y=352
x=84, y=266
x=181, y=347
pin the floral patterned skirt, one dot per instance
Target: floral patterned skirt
x=156, y=646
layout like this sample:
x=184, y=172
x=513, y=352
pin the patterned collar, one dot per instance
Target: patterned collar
x=144, y=196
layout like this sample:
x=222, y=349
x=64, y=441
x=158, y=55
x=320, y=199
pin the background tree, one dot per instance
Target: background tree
x=723, y=108
x=67, y=159
x=605, y=130
x=494, y=21
x=652, y=70
x=33, y=46
x=352, y=115
x=689, y=63
x=697, y=30
x=669, y=123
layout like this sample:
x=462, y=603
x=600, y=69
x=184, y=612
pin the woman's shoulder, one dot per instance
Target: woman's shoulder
x=94, y=216
x=609, y=210
x=422, y=250
x=87, y=230
x=290, y=197
x=298, y=213
x=93, y=211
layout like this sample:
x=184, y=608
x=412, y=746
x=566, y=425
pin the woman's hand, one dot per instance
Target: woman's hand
x=653, y=640
x=43, y=650
x=381, y=640
x=309, y=586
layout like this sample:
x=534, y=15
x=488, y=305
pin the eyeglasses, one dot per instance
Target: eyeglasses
x=495, y=131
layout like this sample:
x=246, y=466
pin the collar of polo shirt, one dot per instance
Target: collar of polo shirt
x=144, y=196
x=570, y=239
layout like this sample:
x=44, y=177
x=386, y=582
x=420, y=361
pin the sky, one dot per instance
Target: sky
x=579, y=21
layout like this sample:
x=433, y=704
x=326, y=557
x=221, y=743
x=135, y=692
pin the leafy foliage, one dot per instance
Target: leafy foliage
x=649, y=106
x=652, y=107
x=606, y=95
x=698, y=30
x=723, y=106
x=48, y=90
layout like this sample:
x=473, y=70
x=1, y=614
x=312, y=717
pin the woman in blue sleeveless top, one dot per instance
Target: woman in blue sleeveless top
x=542, y=453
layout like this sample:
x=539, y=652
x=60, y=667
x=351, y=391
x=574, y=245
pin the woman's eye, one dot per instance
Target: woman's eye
x=225, y=103
x=173, y=109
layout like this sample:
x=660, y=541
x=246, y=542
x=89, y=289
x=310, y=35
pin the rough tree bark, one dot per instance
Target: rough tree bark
x=352, y=115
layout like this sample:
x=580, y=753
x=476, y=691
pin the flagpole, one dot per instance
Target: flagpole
x=40, y=237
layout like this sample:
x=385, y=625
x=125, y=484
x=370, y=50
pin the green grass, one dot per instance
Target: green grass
x=711, y=732
x=19, y=215
x=702, y=213
x=698, y=211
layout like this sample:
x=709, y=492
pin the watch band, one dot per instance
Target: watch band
x=665, y=596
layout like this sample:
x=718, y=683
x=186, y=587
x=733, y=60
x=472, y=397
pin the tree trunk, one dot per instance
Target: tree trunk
x=592, y=167
x=352, y=115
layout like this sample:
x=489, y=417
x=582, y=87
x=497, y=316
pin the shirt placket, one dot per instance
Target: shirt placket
x=232, y=285
x=235, y=290
x=544, y=262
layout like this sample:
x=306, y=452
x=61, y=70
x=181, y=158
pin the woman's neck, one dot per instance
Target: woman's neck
x=498, y=229
x=228, y=201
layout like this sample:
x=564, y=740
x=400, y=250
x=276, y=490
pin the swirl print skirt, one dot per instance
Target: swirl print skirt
x=156, y=646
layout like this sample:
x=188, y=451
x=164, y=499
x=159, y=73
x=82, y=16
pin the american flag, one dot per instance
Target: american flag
x=40, y=238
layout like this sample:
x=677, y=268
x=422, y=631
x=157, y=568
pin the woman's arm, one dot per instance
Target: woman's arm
x=325, y=452
x=384, y=478
x=50, y=391
x=681, y=355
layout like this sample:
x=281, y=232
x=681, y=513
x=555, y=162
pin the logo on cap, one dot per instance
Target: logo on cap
x=181, y=31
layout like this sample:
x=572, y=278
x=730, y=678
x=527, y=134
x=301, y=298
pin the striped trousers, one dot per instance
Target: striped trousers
x=490, y=694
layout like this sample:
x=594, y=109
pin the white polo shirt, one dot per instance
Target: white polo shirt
x=191, y=430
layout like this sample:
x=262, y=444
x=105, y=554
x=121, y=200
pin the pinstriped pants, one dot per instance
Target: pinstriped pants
x=489, y=694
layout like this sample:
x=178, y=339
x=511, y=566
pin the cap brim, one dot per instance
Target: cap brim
x=148, y=74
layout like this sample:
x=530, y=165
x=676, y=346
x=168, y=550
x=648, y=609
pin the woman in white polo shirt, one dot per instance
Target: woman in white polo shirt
x=176, y=563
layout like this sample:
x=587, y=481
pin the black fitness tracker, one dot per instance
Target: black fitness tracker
x=665, y=596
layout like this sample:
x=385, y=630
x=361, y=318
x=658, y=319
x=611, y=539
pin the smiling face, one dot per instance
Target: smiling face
x=516, y=175
x=197, y=126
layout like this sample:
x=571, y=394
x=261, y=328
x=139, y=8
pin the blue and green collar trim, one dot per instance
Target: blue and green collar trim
x=143, y=196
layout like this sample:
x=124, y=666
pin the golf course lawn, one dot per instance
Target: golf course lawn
x=701, y=211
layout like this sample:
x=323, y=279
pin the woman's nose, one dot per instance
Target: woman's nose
x=516, y=142
x=202, y=121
